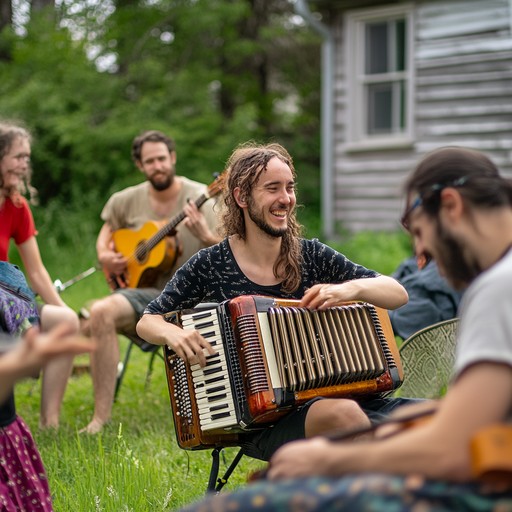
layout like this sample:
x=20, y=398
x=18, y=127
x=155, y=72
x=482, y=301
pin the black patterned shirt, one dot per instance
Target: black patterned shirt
x=213, y=275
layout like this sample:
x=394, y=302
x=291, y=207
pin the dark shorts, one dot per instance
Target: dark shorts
x=262, y=444
x=139, y=298
x=378, y=409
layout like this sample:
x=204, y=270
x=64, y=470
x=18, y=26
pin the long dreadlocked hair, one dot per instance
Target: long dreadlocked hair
x=9, y=132
x=245, y=165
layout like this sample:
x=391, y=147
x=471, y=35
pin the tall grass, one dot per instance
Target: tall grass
x=135, y=463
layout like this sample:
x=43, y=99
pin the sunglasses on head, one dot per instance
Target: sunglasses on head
x=418, y=200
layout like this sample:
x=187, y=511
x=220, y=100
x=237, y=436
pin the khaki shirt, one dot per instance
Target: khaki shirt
x=130, y=208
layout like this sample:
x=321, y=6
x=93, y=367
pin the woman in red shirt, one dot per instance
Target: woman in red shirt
x=17, y=223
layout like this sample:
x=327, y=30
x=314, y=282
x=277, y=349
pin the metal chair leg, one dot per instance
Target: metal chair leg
x=149, y=372
x=215, y=484
x=214, y=470
x=155, y=351
x=121, y=373
x=221, y=482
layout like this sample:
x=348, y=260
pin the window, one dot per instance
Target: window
x=379, y=71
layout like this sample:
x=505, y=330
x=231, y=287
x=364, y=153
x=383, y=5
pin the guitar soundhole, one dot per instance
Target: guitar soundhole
x=141, y=252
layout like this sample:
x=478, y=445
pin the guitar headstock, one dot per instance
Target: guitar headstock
x=217, y=186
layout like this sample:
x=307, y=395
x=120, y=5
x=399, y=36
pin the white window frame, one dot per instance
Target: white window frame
x=355, y=23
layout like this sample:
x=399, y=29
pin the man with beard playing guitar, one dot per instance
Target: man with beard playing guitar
x=161, y=197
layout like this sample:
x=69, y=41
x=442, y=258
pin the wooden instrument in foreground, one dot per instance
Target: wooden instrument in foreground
x=152, y=249
x=273, y=356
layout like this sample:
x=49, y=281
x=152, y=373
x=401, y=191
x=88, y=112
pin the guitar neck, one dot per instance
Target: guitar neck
x=169, y=228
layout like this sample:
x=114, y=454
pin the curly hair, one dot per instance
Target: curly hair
x=245, y=166
x=10, y=131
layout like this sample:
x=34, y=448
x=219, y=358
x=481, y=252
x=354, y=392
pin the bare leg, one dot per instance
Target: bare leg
x=334, y=414
x=56, y=373
x=107, y=316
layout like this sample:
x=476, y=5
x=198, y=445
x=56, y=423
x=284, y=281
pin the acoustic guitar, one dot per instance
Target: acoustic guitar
x=152, y=249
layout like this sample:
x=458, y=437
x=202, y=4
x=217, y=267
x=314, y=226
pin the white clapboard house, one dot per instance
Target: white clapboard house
x=398, y=80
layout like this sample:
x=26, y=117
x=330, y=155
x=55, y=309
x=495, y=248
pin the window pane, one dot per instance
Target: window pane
x=376, y=48
x=402, y=105
x=382, y=89
x=400, y=45
x=379, y=108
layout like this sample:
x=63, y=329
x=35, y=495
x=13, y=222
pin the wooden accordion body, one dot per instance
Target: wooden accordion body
x=272, y=357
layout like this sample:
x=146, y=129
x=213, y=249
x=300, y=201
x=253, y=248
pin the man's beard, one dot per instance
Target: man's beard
x=161, y=185
x=259, y=220
x=459, y=267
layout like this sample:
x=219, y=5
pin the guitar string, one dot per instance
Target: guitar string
x=148, y=245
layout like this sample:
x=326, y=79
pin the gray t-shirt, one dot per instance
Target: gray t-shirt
x=485, y=330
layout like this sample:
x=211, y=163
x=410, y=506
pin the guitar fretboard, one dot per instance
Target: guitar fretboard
x=149, y=244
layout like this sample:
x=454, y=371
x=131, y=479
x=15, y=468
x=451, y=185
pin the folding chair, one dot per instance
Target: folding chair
x=155, y=351
x=215, y=484
x=133, y=339
x=427, y=358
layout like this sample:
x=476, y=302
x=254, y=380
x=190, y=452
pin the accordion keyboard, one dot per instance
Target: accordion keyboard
x=212, y=388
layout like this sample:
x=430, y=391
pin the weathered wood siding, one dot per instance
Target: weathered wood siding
x=463, y=96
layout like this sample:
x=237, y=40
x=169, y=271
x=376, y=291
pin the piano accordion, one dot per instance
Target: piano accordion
x=273, y=356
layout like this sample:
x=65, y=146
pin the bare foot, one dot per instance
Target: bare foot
x=49, y=425
x=94, y=427
x=47, y=422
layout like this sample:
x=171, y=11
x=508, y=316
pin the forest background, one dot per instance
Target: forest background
x=85, y=77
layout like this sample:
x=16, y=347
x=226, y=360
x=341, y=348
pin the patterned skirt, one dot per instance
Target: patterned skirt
x=23, y=482
x=356, y=493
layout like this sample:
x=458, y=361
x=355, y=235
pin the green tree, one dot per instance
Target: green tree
x=212, y=74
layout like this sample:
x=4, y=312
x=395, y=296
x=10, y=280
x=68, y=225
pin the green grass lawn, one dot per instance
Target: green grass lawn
x=135, y=464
